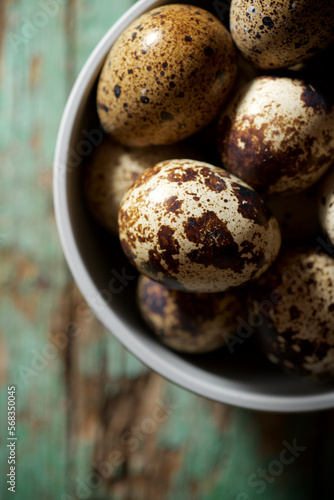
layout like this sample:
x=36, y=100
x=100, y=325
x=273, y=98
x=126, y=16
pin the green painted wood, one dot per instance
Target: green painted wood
x=93, y=422
x=32, y=268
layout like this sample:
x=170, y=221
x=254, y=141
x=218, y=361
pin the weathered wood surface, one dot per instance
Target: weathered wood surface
x=93, y=422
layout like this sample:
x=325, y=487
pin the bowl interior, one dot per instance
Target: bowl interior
x=108, y=282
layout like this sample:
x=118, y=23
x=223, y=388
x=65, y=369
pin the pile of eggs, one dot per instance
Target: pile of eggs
x=215, y=174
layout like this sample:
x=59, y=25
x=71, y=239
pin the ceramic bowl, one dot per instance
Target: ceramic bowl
x=242, y=378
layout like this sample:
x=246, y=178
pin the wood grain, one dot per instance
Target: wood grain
x=93, y=422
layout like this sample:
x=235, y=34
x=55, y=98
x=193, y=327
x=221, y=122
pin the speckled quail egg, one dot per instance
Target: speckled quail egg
x=326, y=205
x=277, y=134
x=113, y=168
x=197, y=228
x=294, y=309
x=166, y=76
x=281, y=33
x=189, y=322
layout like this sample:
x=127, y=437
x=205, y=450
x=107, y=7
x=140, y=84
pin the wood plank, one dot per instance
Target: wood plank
x=33, y=273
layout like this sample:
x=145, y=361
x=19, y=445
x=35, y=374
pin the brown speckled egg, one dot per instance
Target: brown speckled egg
x=166, y=76
x=113, y=168
x=197, y=228
x=189, y=322
x=294, y=306
x=326, y=205
x=277, y=134
x=281, y=33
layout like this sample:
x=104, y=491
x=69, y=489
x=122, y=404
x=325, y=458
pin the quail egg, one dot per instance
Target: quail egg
x=277, y=134
x=189, y=322
x=196, y=228
x=294, y=307
x=166, y=77
x=281, y=33
x=326, y=205
x=113, y=168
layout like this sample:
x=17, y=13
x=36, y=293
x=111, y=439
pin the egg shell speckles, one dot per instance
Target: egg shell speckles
x=166, y=77
x=277, y=134
x=197, y=228
x=189, y=322
x=295, y=301
x=281, y=33
x=113, y=168
x=326, y=205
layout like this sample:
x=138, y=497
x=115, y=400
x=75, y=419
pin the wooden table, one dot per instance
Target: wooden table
x=92, y=421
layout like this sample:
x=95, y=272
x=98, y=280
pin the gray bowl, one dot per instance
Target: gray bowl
x=107, y=281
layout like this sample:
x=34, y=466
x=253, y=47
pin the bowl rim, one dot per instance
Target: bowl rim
x=158, y=359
